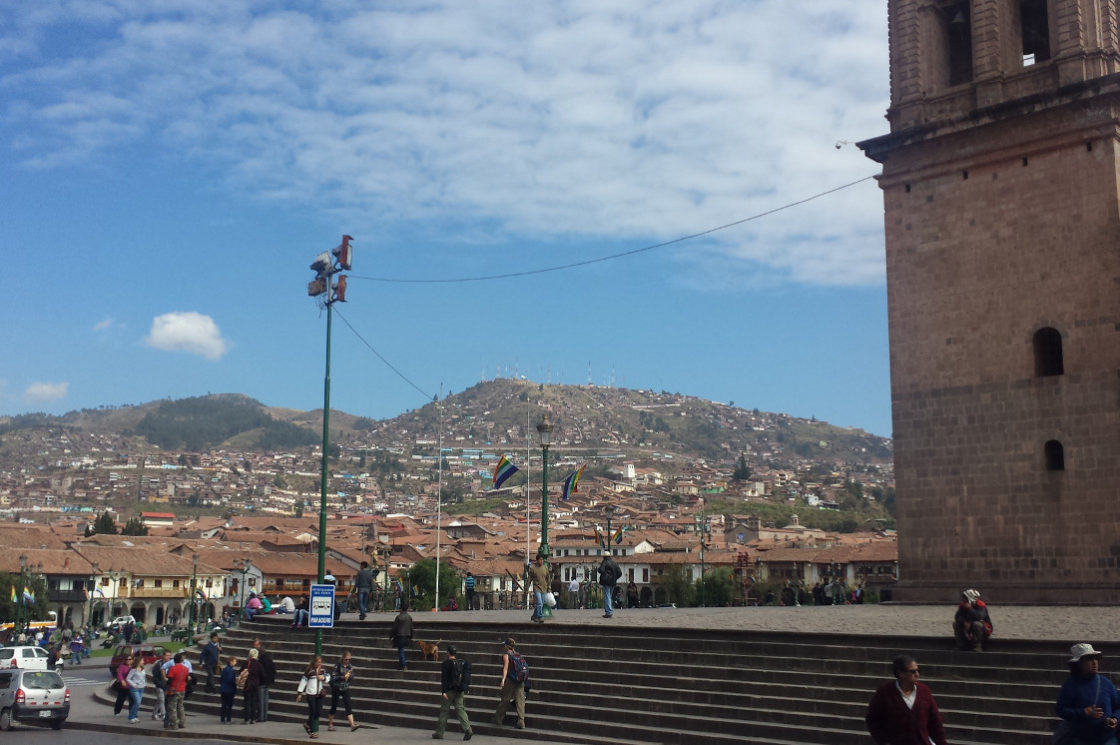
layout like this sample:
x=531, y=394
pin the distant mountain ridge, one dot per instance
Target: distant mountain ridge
x=494, y=414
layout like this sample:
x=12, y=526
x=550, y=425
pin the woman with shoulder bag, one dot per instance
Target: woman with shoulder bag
x=340, y=689
x=313, y=686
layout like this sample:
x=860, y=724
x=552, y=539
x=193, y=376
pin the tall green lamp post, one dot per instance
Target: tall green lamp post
x=326, y=266
x=544, y=429
x=95, y=572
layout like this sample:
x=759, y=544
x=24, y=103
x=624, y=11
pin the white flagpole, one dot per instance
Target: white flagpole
x=439, y=494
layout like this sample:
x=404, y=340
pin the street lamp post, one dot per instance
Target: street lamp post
x=326, y=266
x=544, y=429
x=702, y=529
x=116, y=577
x=19, y=592
x=95, y=572
x=243, y=566
x=194, y=588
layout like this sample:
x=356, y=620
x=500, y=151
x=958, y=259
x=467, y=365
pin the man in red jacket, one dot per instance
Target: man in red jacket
x=902, y=711
x=176, y=686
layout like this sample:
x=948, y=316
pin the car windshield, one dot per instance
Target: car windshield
x=42, y=680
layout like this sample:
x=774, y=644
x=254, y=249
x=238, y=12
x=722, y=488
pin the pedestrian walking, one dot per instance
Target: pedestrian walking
x=159, y=680
x=341, y=676
x=137, y=681
x=121, y=685
x=455, y=683
x=227, y=688
x=539, y=581
x=469, y=584
x=268, y=677
x=363, y=583
x=573, y=593
x=608, y=576
x=512, y=688
x=903, y=711
x=209, y=658
x=312, y=686
x=401, y=635
x=177, y=676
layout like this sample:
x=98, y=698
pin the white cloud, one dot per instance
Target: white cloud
x=43, y=392
x=187, y=332
x=103, y=324
x=617, y=120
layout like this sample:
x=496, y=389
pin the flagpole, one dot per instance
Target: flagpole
x=439, y=495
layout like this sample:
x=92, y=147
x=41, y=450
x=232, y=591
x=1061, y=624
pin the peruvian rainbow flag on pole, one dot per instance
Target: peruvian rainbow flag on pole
x=503, y=471
x=571, y=484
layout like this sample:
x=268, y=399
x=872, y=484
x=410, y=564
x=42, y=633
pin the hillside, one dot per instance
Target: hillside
x=493, y=414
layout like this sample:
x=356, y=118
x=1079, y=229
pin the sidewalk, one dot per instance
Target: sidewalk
x=91, y=708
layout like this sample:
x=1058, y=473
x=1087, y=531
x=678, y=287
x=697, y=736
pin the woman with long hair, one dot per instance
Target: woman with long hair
x=312, y=686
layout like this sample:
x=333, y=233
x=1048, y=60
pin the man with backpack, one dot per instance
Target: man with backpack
x=609, y=574
x=455, y=681
x=515, y=682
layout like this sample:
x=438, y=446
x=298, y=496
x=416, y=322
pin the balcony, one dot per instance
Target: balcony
x=66, y=596
x=148, y=593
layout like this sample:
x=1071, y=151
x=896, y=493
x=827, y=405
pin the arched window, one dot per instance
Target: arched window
x=1048, y=352
x=1055, y=456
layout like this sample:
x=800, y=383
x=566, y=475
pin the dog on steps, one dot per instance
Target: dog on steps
x=430, y=650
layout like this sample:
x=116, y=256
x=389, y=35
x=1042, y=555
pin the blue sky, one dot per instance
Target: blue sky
x=169, y=170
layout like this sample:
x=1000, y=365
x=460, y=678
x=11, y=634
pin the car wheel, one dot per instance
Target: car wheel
x=6, y=719
x=57, y=723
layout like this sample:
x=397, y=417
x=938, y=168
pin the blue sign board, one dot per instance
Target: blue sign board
x=322, y=607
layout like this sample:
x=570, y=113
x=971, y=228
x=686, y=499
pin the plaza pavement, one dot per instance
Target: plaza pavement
x=91, y=707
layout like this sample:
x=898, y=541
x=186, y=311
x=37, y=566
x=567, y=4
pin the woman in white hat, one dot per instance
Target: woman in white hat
x=1088, y=703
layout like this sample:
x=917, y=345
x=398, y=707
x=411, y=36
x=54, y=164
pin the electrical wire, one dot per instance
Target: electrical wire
x=381, y=357
x=623, y=254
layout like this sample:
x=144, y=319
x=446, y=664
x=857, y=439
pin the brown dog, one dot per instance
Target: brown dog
x=430, y=650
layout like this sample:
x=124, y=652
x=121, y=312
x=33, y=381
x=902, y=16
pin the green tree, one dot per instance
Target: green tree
x=423, y=577
x=134, y=527
x=717, y=586
x=679, y=586
x=104, y=524
x=38, y=587
x=742, y=470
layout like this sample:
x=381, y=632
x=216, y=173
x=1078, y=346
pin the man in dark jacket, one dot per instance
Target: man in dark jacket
x=210, y=655
x=401, y=634
x=971, y=624
x=608, y=576
x=903, y=711
x=268, y=677
x=363, y=583
x=455, y=681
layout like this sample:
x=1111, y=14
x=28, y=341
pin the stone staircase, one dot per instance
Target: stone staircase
x=668, y=685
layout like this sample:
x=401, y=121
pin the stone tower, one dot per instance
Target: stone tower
x=1001, y=186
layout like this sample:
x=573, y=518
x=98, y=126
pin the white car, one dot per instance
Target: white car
x=25, y=658
x=120, y=621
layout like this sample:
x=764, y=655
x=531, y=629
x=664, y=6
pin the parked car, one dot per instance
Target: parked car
x=33, y=695
x=27, y=658
x=119, y=622
x=148, y=654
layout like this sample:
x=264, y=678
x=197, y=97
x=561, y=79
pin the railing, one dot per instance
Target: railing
x=67, y=596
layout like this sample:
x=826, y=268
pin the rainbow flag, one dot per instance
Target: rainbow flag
x=618, y=535
x=503, y=471
x=571, y=484
x=13, y=593
x=599, y=536
x=28, y=596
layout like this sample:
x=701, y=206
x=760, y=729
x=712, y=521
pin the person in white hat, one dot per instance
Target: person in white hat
x=972, y=625
x=1088, y=702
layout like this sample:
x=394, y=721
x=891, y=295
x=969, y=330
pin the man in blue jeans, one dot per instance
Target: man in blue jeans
x=363, y=583
x=401, y=635
x=608, y=576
